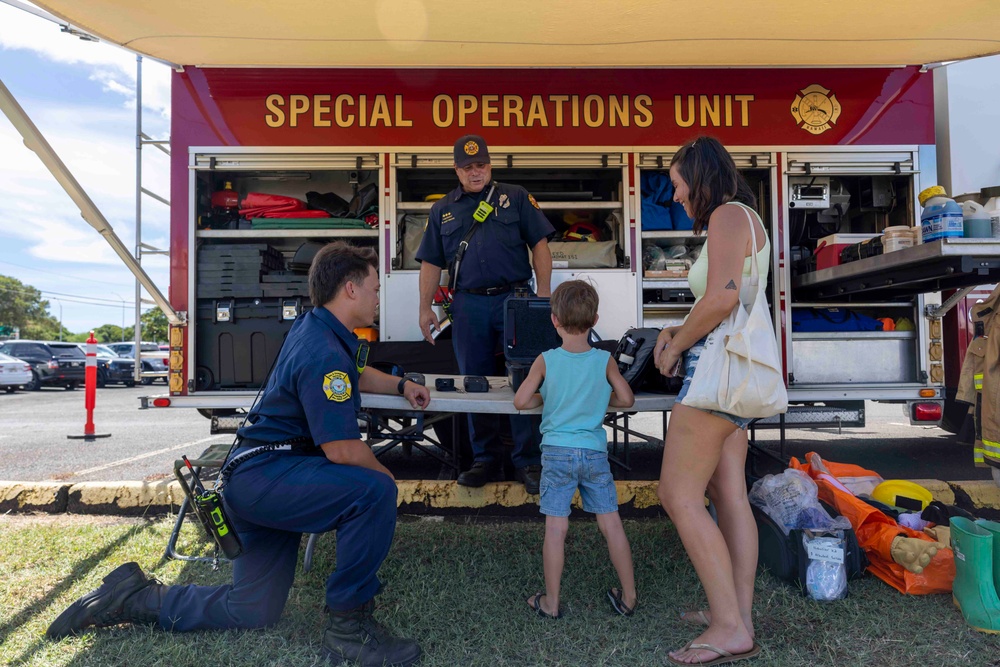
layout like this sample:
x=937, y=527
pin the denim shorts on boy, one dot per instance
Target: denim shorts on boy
x=566, y=469
x=690, y=362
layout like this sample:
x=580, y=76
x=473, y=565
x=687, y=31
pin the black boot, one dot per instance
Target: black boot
x=479, y=474
x=355, y=636
x=126, y=596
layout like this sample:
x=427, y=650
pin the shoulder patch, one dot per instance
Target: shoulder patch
x=534, y=203
x=337, y=386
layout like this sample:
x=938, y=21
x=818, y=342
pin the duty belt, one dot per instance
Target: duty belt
x=493, y=291
x=260, y=447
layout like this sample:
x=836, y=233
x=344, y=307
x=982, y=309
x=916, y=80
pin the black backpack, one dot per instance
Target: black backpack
x=634, y=356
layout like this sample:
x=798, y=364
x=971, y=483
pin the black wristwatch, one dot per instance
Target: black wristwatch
x=399, y=387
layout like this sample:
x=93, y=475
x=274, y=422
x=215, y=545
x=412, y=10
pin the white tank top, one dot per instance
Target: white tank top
x=698, y=275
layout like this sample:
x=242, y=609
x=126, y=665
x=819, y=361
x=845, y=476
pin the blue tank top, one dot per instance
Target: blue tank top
x=576, y=394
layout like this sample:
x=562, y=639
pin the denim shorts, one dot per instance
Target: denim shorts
x=566, y=469
x=690, y=362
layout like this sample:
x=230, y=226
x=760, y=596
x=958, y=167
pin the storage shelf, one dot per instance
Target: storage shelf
x=853, y=335
x=284, y=233
x=665, y=283
x=929, y=267
x=852, y=304
x=544, y=205
x=672, y=234
x=666, y=307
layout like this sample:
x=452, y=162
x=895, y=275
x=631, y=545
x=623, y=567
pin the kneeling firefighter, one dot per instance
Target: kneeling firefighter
x=298, y=466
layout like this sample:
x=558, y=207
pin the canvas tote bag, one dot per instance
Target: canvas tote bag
x=739, y=371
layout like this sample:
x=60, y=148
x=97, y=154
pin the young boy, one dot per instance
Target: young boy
x=579, y=382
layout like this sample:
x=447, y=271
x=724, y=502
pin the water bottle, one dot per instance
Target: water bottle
x=942, y=217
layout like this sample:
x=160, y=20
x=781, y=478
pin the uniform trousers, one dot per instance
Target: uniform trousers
x=271, y=501
x=477, y=328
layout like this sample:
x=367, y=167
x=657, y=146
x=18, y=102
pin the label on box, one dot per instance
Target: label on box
x=830, y=549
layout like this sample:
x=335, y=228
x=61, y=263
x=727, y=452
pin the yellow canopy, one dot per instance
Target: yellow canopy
x=543, y=33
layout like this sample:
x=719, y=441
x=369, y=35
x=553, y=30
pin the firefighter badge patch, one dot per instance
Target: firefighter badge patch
x=471, y=148
x=534, y=203
x=337, y=386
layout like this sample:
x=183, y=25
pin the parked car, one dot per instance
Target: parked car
x=112, y=369
x=53, y=364
x=14, y=373
x=155, y=362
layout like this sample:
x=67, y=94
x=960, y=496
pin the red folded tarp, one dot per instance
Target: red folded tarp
x=263, y=205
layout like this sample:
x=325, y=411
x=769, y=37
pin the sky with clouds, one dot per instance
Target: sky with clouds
x=81, y=96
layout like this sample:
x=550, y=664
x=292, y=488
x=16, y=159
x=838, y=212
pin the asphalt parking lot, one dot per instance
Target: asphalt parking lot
x=144, y=443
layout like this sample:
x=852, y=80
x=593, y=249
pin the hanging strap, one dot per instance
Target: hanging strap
x=463, y=245
x=754, y=269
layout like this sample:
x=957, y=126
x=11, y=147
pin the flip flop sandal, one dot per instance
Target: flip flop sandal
x=694, y=617
x=536, y=604
x=615, y=596
x=725, y=657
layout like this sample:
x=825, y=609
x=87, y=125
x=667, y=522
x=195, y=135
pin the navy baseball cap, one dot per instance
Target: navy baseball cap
x=471, y=148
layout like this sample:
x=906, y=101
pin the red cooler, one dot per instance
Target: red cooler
x=829, y=247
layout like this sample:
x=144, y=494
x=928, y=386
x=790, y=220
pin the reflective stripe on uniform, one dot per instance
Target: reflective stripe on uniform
x=977, y=380
x=991, y=448
x=978, y=457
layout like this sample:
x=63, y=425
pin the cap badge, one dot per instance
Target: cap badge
x=471, y=148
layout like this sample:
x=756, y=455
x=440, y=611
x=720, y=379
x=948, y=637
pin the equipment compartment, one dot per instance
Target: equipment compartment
x=239, y=338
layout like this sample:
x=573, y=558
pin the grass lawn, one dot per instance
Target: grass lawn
x=459, y=587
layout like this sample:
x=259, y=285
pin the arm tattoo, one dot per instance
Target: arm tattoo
x=731, y=284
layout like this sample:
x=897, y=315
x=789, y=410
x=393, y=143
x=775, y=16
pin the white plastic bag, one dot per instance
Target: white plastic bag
x=791, y=500
x=739, y=371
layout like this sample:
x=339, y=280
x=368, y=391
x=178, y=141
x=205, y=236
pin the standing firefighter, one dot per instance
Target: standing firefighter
x=481, y=231
x=299, y=466
x=980, y=382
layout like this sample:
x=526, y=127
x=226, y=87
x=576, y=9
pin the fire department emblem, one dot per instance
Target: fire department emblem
x=471, y=148
x=337, y=386
x=533, y=202
x=815, y=109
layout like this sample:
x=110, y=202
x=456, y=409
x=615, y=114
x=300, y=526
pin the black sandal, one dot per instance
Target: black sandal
x=536, y=604
x=615, y=596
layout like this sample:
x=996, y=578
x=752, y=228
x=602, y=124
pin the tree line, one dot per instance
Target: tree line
x=23, y=308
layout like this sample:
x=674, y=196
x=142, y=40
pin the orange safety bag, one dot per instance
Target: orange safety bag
x=875, y=532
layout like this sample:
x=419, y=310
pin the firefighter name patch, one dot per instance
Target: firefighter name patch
x=337, y=386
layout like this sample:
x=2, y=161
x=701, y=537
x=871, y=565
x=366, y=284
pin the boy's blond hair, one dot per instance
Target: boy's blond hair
x=574, y=303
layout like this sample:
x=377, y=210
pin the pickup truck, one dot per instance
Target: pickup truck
x=155, y=362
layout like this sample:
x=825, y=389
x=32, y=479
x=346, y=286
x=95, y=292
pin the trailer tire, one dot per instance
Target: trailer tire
x=953, y=415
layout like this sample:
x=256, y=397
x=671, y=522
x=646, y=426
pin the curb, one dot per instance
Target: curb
x=636, y=498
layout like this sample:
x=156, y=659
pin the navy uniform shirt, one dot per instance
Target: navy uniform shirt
x=497, y=253
x=313, y=390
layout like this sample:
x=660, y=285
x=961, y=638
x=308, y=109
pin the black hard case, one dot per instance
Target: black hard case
x=238, y=354
x=786, y=558
x=527, y=332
